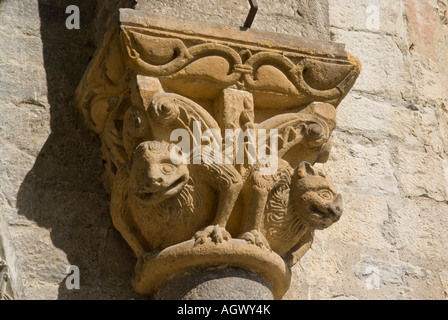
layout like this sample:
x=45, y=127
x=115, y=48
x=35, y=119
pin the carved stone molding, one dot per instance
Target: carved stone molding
x=155, y=75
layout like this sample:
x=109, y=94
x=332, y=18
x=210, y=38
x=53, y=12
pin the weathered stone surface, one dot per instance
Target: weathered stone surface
x=444, y=279
x=383, y=63
x=361, y=273
x=51, y=174
x=376, y=122
x=306, y=18
x=156, y=76
x=389, y=158
x=363, y=225
x=367, y=15
x=51, y=191
x=215, y=284
x=8, y=274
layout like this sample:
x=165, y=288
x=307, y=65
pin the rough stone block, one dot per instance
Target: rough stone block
x=362, y=222
x=306, y=18
x=362, y=166
x=369, y=118
x=386, y=72
x=376, y=16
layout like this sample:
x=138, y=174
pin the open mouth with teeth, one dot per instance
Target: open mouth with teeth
x=321, y=218
x=164, y=193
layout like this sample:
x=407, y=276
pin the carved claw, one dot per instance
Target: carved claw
x=255, y=237
x=215, y=233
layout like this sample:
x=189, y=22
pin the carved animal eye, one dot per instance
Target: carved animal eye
x=167, y=168
x=326, y=194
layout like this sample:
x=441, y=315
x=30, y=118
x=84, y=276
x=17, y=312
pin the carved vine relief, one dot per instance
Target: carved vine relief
x=152, y=77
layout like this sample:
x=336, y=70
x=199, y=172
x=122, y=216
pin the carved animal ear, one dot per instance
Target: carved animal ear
x=177, y=155
x=138, y=149
x=135, y=129
x=305, y=169
x=141, y=148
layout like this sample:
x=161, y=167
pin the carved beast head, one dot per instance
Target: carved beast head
x=154, y=177
x=315, y=198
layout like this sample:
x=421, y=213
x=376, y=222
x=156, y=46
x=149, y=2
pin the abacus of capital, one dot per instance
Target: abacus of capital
x=204, y=229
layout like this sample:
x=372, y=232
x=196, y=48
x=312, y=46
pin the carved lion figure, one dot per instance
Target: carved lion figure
x=157, y=203
x=294, y=204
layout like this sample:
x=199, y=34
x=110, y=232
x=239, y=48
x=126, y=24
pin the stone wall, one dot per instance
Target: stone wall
x=51, y=189
x=389, y=159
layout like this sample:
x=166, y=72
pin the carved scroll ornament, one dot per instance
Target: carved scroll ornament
x=154, y=76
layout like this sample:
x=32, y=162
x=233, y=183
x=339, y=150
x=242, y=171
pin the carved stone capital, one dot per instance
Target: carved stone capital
x=209, y=136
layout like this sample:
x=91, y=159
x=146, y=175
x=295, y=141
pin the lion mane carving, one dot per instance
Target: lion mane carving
x=157, y=203
x=300, y=203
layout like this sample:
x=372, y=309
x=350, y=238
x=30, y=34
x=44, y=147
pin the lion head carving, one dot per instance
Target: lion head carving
x=317, y=200
x=154, y=177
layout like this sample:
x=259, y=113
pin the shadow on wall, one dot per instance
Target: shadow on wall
x=63, y=192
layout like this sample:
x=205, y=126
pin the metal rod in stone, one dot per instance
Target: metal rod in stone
x=252, y=12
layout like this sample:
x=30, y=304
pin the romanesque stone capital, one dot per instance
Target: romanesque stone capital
x=209, y=138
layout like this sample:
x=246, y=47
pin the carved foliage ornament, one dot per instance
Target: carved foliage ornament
x=178, y=208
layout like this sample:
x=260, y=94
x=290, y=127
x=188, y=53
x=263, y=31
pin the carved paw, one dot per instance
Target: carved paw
x=216, y=234
x=255, y=237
